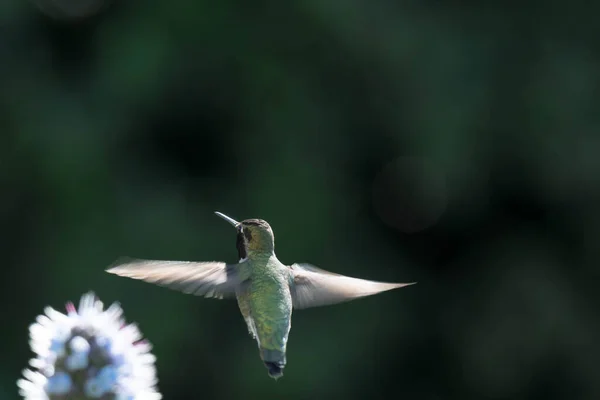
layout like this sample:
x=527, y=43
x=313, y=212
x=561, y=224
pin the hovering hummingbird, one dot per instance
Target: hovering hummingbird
x=266, y=289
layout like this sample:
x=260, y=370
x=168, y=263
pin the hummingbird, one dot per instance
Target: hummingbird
x=266, y=289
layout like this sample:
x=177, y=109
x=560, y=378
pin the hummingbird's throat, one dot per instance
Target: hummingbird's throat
x=242, y=245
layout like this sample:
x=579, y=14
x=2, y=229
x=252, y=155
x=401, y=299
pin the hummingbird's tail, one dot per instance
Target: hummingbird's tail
x=275, y=369
x=274, y=361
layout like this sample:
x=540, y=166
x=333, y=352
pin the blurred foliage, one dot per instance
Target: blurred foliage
x=451, y=144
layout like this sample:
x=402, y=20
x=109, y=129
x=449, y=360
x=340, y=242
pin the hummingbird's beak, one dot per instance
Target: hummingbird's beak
x=226, y=218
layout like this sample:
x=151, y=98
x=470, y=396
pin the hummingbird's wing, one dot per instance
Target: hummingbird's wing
x=209, y=279
x=315, y=287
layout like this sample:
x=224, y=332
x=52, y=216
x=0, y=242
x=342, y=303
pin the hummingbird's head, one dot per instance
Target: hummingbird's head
x=253, y=236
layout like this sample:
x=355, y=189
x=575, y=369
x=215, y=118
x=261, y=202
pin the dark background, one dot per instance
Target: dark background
x=450, y=143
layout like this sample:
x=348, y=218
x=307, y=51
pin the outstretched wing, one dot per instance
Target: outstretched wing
x=209, y=279
x=314, y=287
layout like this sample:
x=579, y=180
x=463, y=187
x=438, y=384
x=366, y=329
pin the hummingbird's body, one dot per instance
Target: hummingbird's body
x=266, y=304
x=266, y=290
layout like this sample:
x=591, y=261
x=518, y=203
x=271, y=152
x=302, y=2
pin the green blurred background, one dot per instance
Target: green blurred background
x=450, y=143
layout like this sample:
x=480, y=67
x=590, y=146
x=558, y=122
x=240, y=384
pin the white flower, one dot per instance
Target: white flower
x=89, y=353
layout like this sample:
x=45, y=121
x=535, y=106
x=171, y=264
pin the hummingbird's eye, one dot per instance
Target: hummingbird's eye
x=247, y=234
